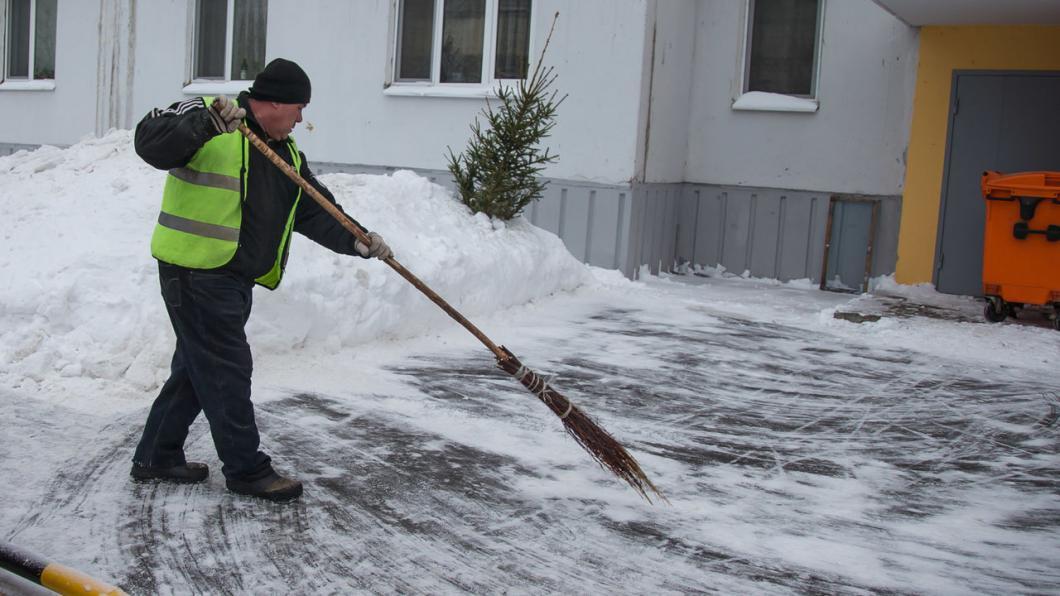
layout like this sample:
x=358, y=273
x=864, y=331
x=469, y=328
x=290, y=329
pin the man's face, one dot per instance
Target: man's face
x=283, y=118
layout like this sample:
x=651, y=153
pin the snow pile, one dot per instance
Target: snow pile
x=80, y=294
x=923, y=293
x=721, y=271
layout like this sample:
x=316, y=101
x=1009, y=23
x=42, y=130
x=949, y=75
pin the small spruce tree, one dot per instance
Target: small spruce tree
x=498, y=173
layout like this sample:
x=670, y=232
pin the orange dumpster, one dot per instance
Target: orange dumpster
x=1021, y=246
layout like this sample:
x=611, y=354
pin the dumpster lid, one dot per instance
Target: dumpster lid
x=1021, y=184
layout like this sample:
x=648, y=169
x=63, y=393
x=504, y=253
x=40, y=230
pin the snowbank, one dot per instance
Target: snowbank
x=80, y=295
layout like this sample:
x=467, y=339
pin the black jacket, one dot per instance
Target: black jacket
x=169, y=138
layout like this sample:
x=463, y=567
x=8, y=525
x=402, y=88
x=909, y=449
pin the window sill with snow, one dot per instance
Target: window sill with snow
x=26, y=85
x=430, y=90
x=760, y=101
x=213, y=88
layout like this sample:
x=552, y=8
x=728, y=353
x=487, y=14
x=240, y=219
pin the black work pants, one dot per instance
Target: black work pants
x=210, y=373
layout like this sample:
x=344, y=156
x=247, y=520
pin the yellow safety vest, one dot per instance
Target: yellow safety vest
x=202, y=207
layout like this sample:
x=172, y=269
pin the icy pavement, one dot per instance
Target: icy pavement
x=800, y=453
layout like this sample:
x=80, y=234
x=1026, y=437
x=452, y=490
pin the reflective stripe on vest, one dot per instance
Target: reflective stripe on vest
x=206, y=179
x=197, y=228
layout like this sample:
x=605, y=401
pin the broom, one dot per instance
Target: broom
x=608, y=452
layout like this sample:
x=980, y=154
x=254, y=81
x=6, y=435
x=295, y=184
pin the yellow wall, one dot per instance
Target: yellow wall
x=942, y=50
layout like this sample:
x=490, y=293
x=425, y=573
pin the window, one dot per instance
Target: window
x=782, y=46
x=229, y=39
x=30, y=35
x=462, y=41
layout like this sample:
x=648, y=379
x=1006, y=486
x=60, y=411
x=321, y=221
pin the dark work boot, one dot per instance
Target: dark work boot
x=272, y=487
x=182, y=474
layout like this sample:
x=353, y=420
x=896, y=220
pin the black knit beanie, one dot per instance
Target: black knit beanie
x=282, y=81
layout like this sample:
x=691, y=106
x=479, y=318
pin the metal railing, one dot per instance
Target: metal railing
x=51, y=575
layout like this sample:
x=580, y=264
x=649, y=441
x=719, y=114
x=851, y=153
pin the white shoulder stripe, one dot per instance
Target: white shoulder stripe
x=183, y=107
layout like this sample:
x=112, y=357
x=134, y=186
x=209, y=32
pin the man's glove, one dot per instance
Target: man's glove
x=226, y=114
x=377, y=248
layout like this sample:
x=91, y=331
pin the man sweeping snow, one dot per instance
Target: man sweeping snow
x=225, y=225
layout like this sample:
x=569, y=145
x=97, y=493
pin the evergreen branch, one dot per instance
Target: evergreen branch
x=499, y=171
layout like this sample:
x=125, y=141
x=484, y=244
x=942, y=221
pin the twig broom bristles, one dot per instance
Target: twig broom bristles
x=608, y=452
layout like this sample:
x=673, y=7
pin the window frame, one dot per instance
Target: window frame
x=784, y=102
x=434, y=86
x=197, y=85
x=28, y=82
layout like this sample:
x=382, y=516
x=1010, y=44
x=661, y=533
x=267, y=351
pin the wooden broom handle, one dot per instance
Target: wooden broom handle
x=364, y=239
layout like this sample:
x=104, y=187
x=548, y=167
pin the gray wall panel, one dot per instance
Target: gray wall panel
x=710, y=225
x=653, y=228
x=661, y=231
x=576, y=220
x=637, y=216
x=593, y=220
x=645, y=217
x=548, y=210
x=765, y=235
x=531, y=211
x=669, y=239
x=657, y=214
x=796, y=236
x=625, y=225
x=590, y=216
x=773, y=233
x=9, y=148
x=851, y=230
x=885, y=257
x=818, y=227
x=605, y=222
x=654, y=209
x=737, y=230
x=687, y=212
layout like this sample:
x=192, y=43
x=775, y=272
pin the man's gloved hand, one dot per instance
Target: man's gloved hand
x=377, y=249
x=226, y=114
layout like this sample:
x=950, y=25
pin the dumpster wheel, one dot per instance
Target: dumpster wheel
x=995, y=310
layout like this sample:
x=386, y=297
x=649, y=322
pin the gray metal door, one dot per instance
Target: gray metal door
x=1009, y=122
x=849, y=244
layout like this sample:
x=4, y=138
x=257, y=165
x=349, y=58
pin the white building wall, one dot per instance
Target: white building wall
x=161, y=67
x=671, y=46
x=597, y=49
x=344, y=46
x=854, y=143
x=68, y=112
x=655, y=165
x=606, y=52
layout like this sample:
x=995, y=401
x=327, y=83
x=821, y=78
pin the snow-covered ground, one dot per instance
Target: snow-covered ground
x=800, y=452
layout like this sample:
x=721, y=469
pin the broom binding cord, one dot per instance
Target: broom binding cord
x=595, y=440
x=538, y=385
